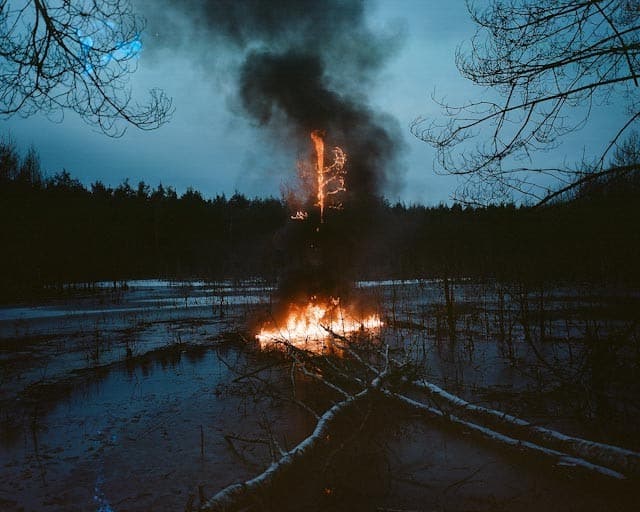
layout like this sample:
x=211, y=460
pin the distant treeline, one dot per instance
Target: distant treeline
x=56, y=231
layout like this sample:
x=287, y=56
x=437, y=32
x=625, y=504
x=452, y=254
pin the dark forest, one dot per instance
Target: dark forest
x=56, y=231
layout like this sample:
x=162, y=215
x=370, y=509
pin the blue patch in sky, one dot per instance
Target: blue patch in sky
x=121, y=51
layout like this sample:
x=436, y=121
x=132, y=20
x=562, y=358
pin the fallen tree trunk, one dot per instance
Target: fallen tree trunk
x=499, y=427
x=620, y=460
x=561, y=459
x=239, y=495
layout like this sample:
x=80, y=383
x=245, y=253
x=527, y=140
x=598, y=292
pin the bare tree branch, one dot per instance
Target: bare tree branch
x=546, y=58
x=75, y=55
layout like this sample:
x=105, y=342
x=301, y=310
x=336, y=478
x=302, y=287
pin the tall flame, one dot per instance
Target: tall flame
x=318, y=144
x=329, y=179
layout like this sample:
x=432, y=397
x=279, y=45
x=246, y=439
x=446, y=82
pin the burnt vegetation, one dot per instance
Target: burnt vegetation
x=56, y=231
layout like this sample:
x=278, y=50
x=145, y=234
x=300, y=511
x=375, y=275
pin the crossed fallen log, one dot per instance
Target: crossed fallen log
x=497, y=426
x=600, y=457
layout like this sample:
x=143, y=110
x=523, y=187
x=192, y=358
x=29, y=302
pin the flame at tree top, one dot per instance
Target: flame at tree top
x=318, y=144
x=329, y=179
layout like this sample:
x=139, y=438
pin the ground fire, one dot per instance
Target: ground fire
x=310, y=326
x=314, y=320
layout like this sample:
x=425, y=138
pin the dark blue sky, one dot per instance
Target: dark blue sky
x=212, y=148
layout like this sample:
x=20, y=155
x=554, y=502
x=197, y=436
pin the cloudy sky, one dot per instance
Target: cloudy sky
x=213, y=146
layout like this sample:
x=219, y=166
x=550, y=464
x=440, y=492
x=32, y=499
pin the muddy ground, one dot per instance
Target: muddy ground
x=137, y=399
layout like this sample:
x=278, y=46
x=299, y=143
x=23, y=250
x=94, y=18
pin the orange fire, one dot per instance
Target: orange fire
x=329, y=179
x=311, y=326
x=318, y=144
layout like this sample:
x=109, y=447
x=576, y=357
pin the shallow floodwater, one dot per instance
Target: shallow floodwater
x=137, y=438
x=132, y=400
x=104, y=392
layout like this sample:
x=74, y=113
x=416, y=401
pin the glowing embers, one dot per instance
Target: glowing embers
x=312, y=326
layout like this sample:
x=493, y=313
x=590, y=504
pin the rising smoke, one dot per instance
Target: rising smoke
x=297, y=66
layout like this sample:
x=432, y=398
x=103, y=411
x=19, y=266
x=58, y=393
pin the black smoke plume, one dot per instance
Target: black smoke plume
x=302, y=66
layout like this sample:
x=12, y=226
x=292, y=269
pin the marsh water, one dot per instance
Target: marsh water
x=133, y=398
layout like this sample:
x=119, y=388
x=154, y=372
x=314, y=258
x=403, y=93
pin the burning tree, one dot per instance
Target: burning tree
x=330, y=178
x=318, y=313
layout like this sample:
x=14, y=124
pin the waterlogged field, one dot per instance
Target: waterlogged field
x=154, y=396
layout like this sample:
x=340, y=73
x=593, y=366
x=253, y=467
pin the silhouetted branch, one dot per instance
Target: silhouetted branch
x=545, y=59
x=78, y=56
